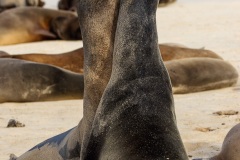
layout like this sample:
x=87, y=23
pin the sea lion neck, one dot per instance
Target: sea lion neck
x=136, y=42
x=98, y=25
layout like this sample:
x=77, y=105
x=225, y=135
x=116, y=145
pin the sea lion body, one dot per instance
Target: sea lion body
x=200, y=74
x=24, y=81
x=72, y=60
x=28, y=24
x=170, y=52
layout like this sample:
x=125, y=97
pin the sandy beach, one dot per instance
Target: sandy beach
x=212, y=24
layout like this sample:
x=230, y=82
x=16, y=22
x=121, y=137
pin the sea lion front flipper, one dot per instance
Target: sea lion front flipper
x=44, y=33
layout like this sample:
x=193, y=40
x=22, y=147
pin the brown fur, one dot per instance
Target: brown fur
x=9, y=4
x=172, y=53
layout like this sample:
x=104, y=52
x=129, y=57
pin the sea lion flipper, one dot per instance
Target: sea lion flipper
x=45, y=33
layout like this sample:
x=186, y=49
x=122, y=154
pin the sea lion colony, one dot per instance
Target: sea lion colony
x=109, y=138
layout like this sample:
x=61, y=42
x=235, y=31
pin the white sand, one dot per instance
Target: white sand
x=213, y=24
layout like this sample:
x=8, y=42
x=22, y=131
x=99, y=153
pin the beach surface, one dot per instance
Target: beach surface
x=212, y=24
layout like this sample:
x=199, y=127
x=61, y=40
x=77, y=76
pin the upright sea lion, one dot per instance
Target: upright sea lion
x=24, y=81
x=29, y=24
x=200, y=74
x=73, y=60
x=136, y=111
x=135, y=118
x=8, y=4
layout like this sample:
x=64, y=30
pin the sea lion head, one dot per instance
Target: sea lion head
x=66, y=28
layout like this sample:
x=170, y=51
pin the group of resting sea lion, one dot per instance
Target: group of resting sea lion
x=190, y=70
x=128, y=106
x=32, y=23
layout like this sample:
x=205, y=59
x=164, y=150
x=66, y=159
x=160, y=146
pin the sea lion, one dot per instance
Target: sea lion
x=230, y=147
x=29, y=24
x=136, y=111
x=8, y=4
x=200, y=74
x=130, y=116
x=24, y=81
x=73, y=60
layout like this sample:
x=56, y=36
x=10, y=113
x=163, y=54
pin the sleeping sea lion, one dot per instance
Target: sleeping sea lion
x=73, y=60
x=200, y=74
x=24, y=81
x=29, y=24
x=169, y=52
x=130, y=116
